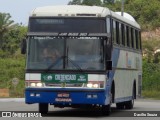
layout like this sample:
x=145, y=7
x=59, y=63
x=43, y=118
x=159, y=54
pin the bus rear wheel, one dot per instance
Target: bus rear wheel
x=120, y=105
x=43, y=108
x=129, y=104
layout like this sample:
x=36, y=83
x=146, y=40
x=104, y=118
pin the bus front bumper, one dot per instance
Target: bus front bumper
x=66, y=96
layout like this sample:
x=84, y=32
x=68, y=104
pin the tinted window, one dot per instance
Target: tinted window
x=128, y=36
x=123, y=34
x=114, y=32
x=117, y=31
x=63, y=25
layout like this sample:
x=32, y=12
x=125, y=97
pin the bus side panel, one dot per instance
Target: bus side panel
x=126, y=70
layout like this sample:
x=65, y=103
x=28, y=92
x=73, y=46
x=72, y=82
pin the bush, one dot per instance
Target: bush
x=12, y=68
x=151, y=76
x=151, y=94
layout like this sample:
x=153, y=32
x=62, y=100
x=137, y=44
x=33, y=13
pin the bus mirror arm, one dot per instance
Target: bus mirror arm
x=108, y=65
x=23, y=46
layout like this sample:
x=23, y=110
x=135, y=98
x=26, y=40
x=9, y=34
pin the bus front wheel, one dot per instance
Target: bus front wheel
x=43, y=108
x=106, y=110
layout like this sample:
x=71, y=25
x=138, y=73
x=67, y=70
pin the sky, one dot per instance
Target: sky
x=21, y=9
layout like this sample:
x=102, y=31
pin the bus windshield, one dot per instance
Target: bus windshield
x=53, y=53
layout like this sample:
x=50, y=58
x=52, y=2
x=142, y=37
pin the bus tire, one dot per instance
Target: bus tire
x=43, y=108
x=130, y=104
x=106, y=110
x=120, y=105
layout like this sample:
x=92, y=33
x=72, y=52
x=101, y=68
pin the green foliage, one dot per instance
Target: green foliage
x=151, y=69
x=13, y=68
x=151, y=76
x=92, y=2
x=108, y=1
x=5, y=25
x=13, y=39
x=149, y=47
x=146, y=12
x=75, y=2
x=11, y=35
x=12, y=63
x=151, y=94
x=85, y=2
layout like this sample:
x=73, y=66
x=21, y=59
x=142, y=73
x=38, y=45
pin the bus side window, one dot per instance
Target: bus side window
x=117, y=33
x=132, y=38
x=137, y=41
x=114, y=31
x=108, y=25
x=123, y=35
x=128, y=36
x=120, y=34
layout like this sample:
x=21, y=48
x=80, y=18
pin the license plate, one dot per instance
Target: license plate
x=63, y=95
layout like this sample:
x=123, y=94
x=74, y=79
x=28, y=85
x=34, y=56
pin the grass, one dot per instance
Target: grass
x=151, y=94
x=12, y=68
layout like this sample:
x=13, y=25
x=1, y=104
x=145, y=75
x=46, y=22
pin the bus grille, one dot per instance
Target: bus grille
x=64, y=85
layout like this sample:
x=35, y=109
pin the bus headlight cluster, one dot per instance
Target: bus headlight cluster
x=91, y=85
x=35, y=85
x=95, y=84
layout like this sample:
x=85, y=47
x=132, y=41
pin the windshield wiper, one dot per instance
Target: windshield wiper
x=71, y=61
x=58, y=60
x=54, y=64
x=75, y=64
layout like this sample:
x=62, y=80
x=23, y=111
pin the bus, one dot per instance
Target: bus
x=82, y=56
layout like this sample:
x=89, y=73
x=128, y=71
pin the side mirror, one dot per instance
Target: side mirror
x=23, y=46
x=108, y=65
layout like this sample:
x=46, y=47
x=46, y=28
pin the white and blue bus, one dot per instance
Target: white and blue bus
x=98, y=58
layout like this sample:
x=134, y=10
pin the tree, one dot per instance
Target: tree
x=75, y=2
x=147, y=13
x=5, y=25
x=92, y=2
x=108, y=1
x=13, y=39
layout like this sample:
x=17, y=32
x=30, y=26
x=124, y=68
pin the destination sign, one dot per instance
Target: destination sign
x=54, y=34
x=64, y=78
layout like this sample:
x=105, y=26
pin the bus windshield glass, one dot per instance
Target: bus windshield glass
x=73, y=25
x=53, y=53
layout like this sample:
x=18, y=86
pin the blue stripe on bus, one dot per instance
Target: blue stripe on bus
x=76, y=97
x=115, y=58
x=123, y=99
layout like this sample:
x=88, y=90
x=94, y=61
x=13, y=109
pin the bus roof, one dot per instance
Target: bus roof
x=82, y=11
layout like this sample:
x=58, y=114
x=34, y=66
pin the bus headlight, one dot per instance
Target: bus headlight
x=89, y=85
x=35, y=85
x=95, y=85
x=39, y=84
